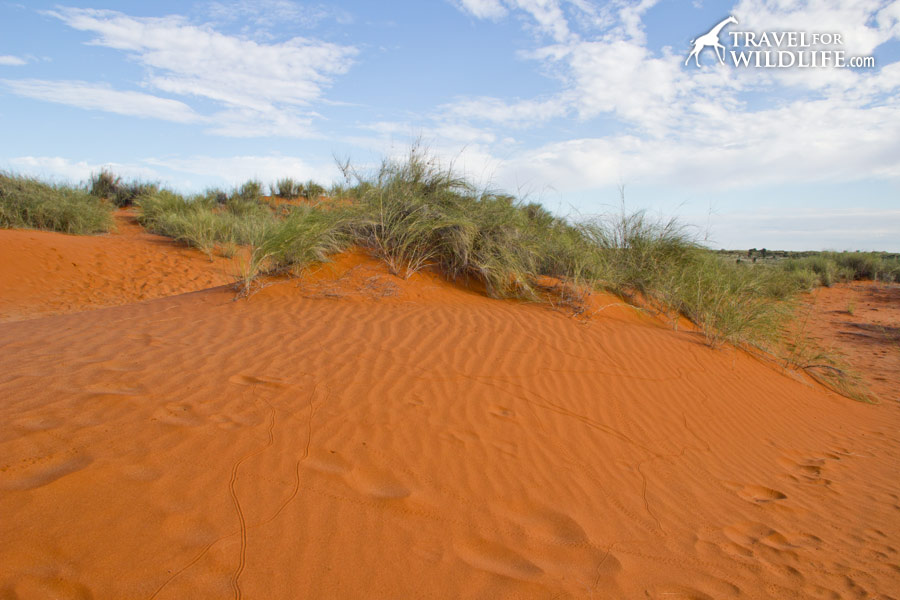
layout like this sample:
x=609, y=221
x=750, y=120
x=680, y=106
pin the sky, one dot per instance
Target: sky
x=572, y=103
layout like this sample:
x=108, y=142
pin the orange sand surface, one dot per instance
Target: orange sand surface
x=45, y=273
x=862, y=321
x=354, y=435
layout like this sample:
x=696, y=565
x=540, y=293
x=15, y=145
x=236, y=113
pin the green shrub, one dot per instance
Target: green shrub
x=30, y=203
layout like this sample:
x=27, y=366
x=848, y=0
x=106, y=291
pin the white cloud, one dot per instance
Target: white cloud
x=59, y=168
x=195, y=60
x=844, y=229
x=495, y=110
x=101, y=97
x=264, y=87
x=185, y=174
x=272, y=13
x=236, y=169
x=484, y=9
x=714, y=127
x=7, y=60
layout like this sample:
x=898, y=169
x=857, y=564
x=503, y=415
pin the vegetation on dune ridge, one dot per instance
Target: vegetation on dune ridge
x=415, y=214
x=29, y=203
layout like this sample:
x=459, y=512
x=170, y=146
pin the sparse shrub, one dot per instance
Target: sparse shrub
x=250, y=191
x=312, y=190
x=105, y=184
x=127, y=193
x=287, y=188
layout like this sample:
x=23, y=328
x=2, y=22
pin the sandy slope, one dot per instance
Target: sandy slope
x=46, y=273
x=364, y=437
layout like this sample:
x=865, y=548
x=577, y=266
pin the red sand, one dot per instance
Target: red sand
x=862, y=321
x=45, y=273
x=353, y=435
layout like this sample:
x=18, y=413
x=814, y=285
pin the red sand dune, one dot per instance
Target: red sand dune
x=353, y=435
x=46, y=273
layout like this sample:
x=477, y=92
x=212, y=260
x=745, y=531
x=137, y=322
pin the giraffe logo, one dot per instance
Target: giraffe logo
x=710, y=39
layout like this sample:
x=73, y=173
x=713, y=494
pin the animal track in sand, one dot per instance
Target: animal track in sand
x=243, y=526
x=236, y=576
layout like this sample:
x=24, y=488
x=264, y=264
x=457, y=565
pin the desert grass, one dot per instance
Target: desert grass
x=203, y=222
x=30, y=203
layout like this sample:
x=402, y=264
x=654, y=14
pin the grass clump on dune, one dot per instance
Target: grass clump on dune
x=109, y=186
x=287, y=188
x=414, y=214
x=303, y=237
x=30, y=203
x=661, y=263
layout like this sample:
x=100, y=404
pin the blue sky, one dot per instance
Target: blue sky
x=563, y=101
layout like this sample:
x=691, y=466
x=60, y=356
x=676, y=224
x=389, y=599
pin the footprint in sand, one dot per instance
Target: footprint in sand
x=377, y=483
x=496, y=558
x=677, y=592
x=252, y=380
x=545, y=523
x=42, y=472
x=181, y=414
x=31, y=586
x=751, y=535
x=758, y=494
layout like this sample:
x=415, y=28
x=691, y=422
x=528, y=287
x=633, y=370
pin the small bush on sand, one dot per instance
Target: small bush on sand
x=312, y=190
x=28, y=202
x=104, y=184
x=128, y=193
x=250, y=191
x=287, y=188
